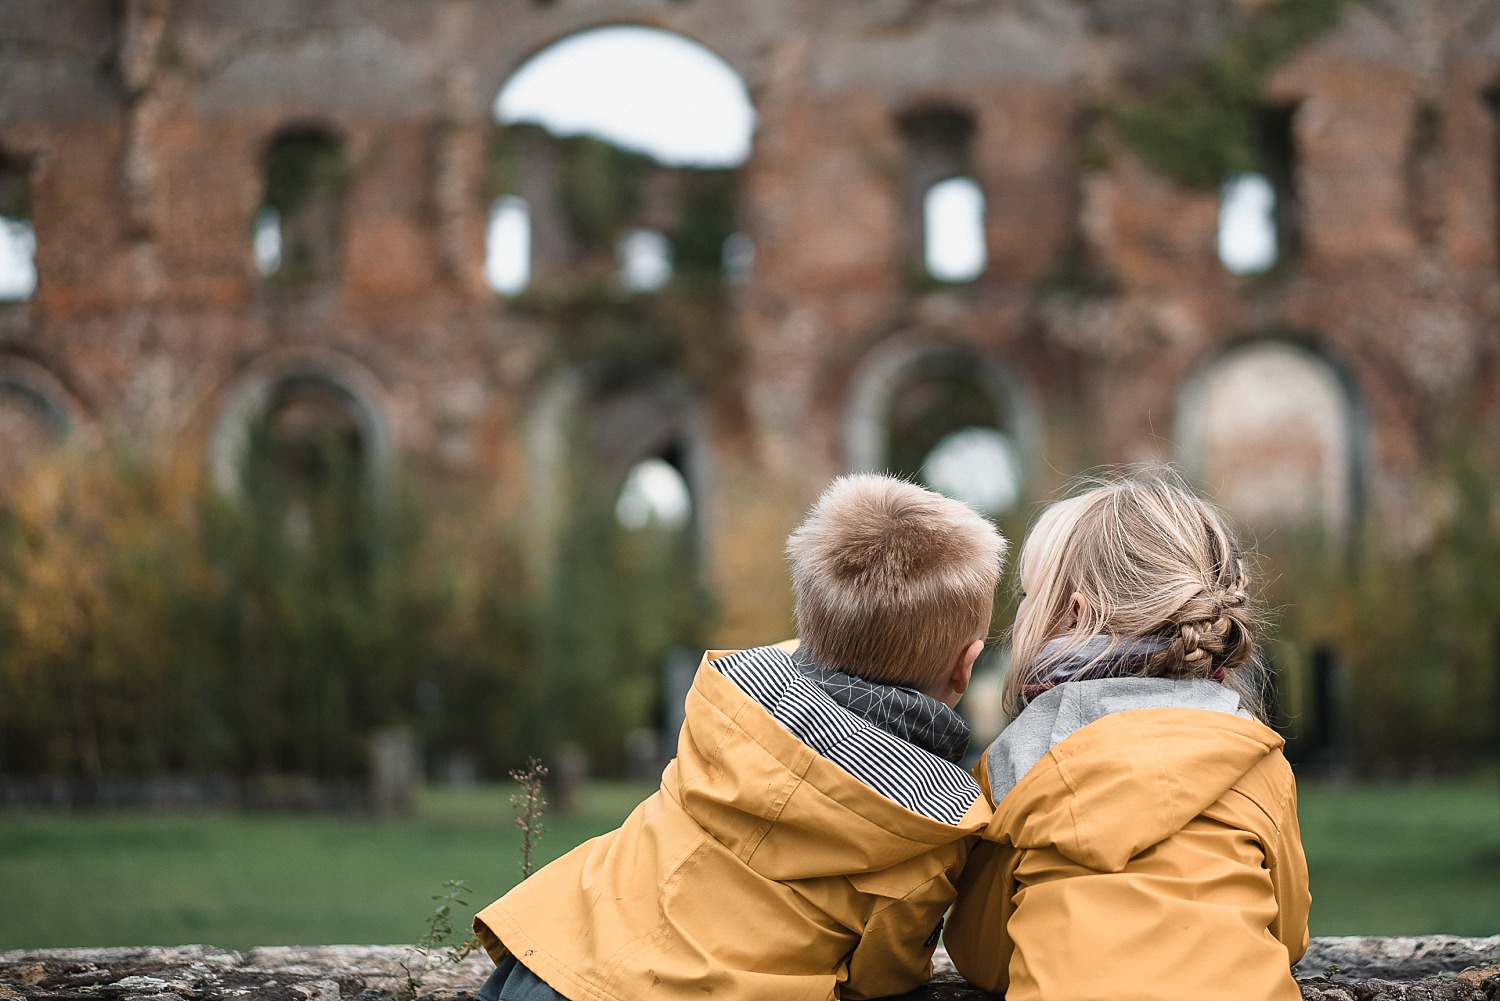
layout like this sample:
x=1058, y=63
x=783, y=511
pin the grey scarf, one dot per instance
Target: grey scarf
x=1096, y=657
x=916, y=718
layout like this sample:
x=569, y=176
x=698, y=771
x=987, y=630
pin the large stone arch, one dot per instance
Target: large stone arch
x=589, y=429
x=624, y=413
x=874, y=384
x=1274, y=429
x=641, y=188
x=738, y=49
x=327, y=381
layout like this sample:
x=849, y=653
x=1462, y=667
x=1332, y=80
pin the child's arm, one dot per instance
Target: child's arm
x=978, y=936
x=894, y=955
x=1289, y=883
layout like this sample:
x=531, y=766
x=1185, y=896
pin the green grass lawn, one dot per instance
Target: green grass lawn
x=1403, y=860
x=1384, y=859
x=239, y=880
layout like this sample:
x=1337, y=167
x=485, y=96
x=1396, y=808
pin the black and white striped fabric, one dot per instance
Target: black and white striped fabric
x=916, y=779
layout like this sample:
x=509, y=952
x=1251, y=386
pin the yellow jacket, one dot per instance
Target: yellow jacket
x=1150, y=854
x=760, y=869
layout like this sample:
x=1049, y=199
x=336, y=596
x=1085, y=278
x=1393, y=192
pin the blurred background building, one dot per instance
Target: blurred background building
x=987, y=243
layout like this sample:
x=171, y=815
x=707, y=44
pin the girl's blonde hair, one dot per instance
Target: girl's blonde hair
x=1153, y=562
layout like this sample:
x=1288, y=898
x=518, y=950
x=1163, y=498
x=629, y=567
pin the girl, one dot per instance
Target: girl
x=1145, y=840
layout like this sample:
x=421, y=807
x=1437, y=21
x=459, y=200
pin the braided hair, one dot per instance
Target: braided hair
x=1136, y=560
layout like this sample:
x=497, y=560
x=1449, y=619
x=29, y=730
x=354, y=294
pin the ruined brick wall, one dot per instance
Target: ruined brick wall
x=144, y=126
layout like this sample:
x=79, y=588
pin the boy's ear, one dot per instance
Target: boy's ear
x=963, y=668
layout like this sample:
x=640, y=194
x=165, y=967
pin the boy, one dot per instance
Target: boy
x=805, y=841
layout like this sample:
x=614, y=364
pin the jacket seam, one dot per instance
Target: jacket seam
x=798, y=772
x=778, y=804
x=609, y=972
x=887, y=906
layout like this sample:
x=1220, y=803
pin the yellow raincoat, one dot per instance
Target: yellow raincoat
x=760, y=870
x=1150, y=854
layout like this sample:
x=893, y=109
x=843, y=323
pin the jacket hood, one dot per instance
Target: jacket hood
x=1102, y=770
x=799, y=787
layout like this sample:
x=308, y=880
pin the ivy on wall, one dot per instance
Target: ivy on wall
x=1200, y=128
x=600, y=190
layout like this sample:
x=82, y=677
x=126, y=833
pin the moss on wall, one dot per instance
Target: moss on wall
x=705, y=221
x=1200, y=127
x=598, y=182
x=601, y=190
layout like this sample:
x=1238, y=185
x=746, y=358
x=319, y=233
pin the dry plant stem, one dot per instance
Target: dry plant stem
x=531, y=803
x=440, y=930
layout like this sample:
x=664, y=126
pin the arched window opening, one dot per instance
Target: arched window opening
x=1258, y=215
x=944, y=203
x=655, y=494
x=1492, y=102
x=945, y=429
x=17, y=237
x=1270, y=429
x=507, y=259
x=1247, y=224
x=296, y=232
x=622, y=141
x=1425, y=172
x=645, y=259
x=953, y=240
x=266, y=241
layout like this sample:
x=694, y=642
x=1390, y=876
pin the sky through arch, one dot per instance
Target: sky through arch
x=644, y=89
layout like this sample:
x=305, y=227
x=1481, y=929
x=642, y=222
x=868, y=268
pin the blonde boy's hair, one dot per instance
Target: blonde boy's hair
x=891, y=580
x=1152, y=561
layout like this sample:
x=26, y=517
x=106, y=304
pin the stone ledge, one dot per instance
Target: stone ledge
x=1430, y=968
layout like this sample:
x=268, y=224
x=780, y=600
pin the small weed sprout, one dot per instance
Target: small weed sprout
x=440, y=930
x=530, y=802
x=441, y=933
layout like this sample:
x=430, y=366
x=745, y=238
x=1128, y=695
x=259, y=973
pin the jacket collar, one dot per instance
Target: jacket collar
x=916, y=718
x=1059, y=712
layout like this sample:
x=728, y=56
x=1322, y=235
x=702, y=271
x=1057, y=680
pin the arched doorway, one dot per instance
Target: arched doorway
x=1272, y=429
x=301, y=426
x=944, y=416
x=959, y=422
x=619, y=460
